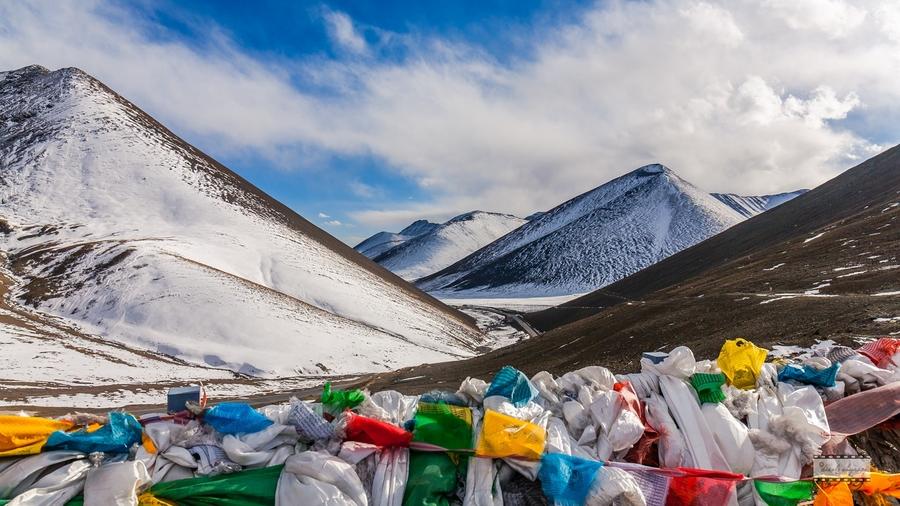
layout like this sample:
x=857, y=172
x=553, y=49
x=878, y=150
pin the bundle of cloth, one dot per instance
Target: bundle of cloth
x=737, y=430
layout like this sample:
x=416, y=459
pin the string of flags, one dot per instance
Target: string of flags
x=737, y=430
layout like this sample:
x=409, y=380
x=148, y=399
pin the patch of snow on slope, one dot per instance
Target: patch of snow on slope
x=750, y=206
x=499, y=331
x=773, y=297
x=522, y=304
x=800, y=353
x=813, y=238
x=147, y=394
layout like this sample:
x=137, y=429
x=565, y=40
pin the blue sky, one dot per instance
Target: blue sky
x=275, y=30
x=365, y=116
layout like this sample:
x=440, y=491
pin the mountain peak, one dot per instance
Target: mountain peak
x=591, y=240
x=25, y=71
x=652, y=169
x=222, y=274
x=418, y=227
x=36, y=71
x=473, y=214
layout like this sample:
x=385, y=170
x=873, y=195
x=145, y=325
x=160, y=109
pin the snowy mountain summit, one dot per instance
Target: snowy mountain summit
x=446, y=243
x=591, y=240
x=121, y=227
x=753, y=205
x=383, y=241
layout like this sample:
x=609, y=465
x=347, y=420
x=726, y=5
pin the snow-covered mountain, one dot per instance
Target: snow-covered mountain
x=751, y=206
x=383, y=241
x=122, y=228
x=591, y=240
x=445, y=244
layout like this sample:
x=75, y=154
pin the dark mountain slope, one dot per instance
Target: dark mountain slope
x=844, y=199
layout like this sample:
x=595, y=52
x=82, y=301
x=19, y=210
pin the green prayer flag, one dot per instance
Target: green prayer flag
x=784, y=493
x=443, y=425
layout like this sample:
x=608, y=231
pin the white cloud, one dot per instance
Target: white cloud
x=395, y=219
x=334, y=223
x=735, y=96
x=323, y=215
x=364, y=190
x=342, y=32
x=714, y=22
x=835, y=18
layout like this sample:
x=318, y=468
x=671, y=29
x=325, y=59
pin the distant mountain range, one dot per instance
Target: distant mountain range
x=383, y=241
x=597, y=238
x=443, y=245
x=582, y=244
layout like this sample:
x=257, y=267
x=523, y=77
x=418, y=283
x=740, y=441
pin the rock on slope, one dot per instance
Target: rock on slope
x=383, y=241
x=447, y=243
x=123, y=228
x=592, y=240
x=751, y=206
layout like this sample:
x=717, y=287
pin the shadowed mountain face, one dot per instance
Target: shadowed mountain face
x=825, y=265
x=120, y=227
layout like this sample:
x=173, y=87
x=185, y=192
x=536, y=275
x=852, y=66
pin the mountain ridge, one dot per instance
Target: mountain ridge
x=448, y=242
x=380, y=242
x=591, y=239
x=750, y=206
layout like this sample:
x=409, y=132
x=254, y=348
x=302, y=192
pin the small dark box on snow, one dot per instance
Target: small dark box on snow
x=180, y=395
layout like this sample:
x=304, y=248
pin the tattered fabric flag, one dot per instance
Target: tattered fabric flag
x=120, y=433
x=512, y=383
x=26, y=435
x=444, y=425
x=567, y=480
x=784, y=493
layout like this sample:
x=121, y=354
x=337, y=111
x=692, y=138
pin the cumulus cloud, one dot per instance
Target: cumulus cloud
x=323, y=215
x=747, y=97
x=334, y=223
x=835, y=18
